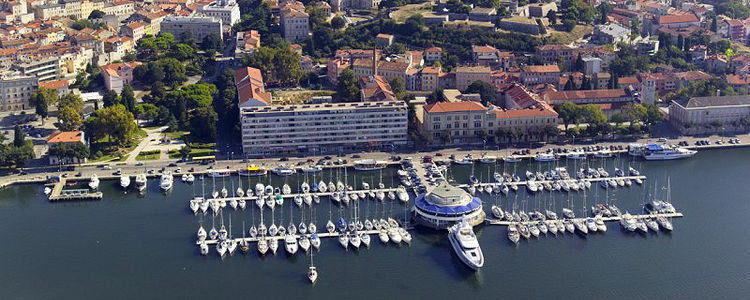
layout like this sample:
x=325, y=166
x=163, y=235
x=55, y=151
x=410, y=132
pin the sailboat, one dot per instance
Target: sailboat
x=304, y=242
x=204, y=248
x=315, y=241
x=312, y=272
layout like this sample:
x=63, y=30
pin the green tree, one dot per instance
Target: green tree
x=42, y=99
x=69, y=151
x=485, y=90
x=617, y=118
x=348, y=87
x=127, y=98
x=96, y=14
x=114, y=122
x=19, y=138
x=69, y=118
x=398, y=86
x=569, y=113
x=212, y=43
x=110, y=98
x=203, y=124
x=338, y=22
x=71, y=100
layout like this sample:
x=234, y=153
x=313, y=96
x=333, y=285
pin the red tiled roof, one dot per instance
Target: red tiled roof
x=249, y=82
x=585, y=94
x=54, y=84
x=541, y=68
x=441, y=107
x=673, y=19
x=66, y=137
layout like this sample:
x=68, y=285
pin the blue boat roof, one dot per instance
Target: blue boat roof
x=653, y=147
x=422, y=204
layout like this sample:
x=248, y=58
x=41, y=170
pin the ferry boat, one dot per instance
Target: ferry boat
x=252, y=171
x=466, y=245
x=666, y=152
x=369, y=165
x=216, y=173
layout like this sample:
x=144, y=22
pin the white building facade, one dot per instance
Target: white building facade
x=322, y=127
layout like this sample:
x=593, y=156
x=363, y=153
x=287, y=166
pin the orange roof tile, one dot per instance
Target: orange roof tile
x=441, y=107
x=66, y=137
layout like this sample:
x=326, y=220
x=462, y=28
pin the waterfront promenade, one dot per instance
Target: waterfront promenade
x=41, y=174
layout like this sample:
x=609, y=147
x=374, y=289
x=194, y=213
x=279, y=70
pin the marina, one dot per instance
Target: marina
x=436, y=260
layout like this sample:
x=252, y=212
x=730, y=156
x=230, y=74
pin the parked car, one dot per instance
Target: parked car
x=106, y=167
x=356, y=156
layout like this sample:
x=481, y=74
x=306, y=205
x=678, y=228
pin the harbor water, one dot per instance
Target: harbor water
x=130, y=246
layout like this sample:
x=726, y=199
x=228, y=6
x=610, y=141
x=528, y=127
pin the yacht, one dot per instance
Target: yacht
x=466, y=160
x=512, y=158
x=166, y=181
x=312, y=169
x=628, y=222
x=94, y=182
x=666, y=152
x=664, y=223
x=204, y=249
x=577, y=155
x=365, y=238
x=466, y=245
x=652, y=224
x=315, y=241
x=273, y=244
x=259, y=188
x=262, y=246
x=218, y=173
x=487, y=159
x=222, y=247
x=544, y=157
x=497, y=212
x=394, y=235
x=344, y=240
x=600, y=225
x=290, y=243
x=283, y=171
x=591, y=224
x=369, y=165
x=124, y=181
x=140, y=182
x=383, y=235
x=252, y=171
x=513, y=234
x=312, y=274
x=604, y=153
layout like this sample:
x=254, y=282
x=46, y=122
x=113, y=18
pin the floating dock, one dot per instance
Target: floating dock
x=281, y=237
x=605, y=219
x=59, y=194
x=598, y=179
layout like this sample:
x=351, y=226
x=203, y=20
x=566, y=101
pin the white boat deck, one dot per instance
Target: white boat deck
x=492, y=221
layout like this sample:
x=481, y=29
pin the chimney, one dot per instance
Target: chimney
x=374, y=62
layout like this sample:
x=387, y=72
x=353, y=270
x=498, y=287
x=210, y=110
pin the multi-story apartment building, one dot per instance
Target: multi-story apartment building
x=545, y=74
x=322, y=127
x=465, y=76
x=429, y=78
x=226, y=10
x=42, y=69
x=117, y=75
x=119, y=8
x=553, y=54
x=294, y=21
x=16, y=90
x=199, y=27
x=270, y=129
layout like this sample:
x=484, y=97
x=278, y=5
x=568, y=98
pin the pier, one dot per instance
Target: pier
x=59, y=194
x=605, y=219
x=524, y=183
x=281, y=237
x=293, y=195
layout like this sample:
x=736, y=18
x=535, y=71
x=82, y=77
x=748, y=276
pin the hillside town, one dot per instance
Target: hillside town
x=130, y=81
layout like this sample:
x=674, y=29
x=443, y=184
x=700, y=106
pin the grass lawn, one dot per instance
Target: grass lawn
x=299, y=96
x=148, y=155
x=194, y=152
x=177, y=135
x=409, y=10
x=565, y=38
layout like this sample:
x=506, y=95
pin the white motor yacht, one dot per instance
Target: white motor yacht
x=94, y=182
x=140, y=182
x=165, y=183
x=124, y=181
x=290, y=243
x=465, y=245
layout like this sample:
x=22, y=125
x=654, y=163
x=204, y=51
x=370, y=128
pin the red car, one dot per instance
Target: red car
x=427, y=159
x=310, y=160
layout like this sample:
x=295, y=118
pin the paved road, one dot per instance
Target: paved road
x=133, y=169
x=152, y=134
